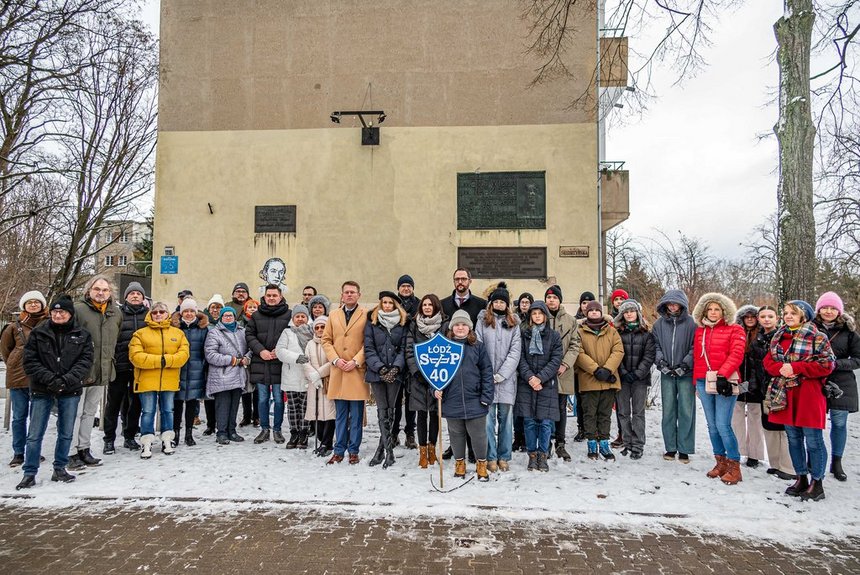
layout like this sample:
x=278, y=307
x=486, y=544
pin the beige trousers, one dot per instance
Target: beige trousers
x=746, y=423
x=777, y=451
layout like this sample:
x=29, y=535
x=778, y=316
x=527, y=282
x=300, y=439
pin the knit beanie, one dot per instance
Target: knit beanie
x=593, y=305
x=240, y=285
x=36, y=295
x=501, y=292
x=630, y=304
x=554, y=290
x=187, y=303
x=806, y=307
x=405, y=279
x=63, y=302
x=216, y=298
x=226, y=309
x=323, y=319
x=461, y=316
x=301, y=308
x=526, y=295
x=830, y=299
x=134, y=286
x=619, y=293
x=586, y=296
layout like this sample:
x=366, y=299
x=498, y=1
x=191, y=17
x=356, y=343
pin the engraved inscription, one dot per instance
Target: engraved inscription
x=501, y=200
x=274, y=219
x=509, y=263
x=573, y=251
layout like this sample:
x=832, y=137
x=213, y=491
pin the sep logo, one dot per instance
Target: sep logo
x=439, y=359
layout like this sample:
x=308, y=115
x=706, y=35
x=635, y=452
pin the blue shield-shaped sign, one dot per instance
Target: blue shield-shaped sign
x=439, y=359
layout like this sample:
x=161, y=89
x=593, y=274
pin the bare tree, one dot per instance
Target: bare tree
x=620, y=251
x=686, y=264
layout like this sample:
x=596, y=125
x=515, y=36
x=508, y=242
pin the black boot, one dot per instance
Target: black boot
x=580, y=435
x=815, y=491
x=302, y=442
x=189, y=439
x=88, y=459
x=27, y=482
x=389, y=448
x=519, y=443
x=561, y=452
x=131, y=444
x=447, y=454
x=379, y=455
x=294, y=440
x=836, y=469
x=60, y=474
x=799, y=486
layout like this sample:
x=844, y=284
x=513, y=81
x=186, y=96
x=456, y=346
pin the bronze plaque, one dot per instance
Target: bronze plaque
x=501, y=200
x=274, y=219
x=508, y=263
x=573, y=251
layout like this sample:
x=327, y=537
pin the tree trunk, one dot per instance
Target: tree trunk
x=796, y=135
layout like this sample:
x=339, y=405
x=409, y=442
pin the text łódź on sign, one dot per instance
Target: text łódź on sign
x=439, y=359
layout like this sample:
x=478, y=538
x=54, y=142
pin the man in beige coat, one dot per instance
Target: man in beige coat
x=343, y=342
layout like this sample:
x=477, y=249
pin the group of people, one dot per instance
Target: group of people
x=762, y=379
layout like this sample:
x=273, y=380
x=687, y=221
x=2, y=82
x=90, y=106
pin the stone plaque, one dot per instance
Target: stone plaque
x=274, y=219
x=501, y=200
x=508, y=263
x=573, y=251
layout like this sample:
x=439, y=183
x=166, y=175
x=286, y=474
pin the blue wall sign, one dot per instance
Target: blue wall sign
x=169, y=265
x=438, y=360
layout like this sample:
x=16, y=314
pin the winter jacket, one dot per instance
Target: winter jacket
x=568, y=328
x=12, y=343
x=639, y=352
x=240, y=313
x=747, y=371
x=383, y=348
x=541, y=404
x=192, y=377
x=845, y=343
x=470, y=392
x=673, y=335
x=318, y=369
x=132, y=320
x=421, y=396
x=600, y=348
x=346, y=341
x=760, y=348
x=288, y=351
x=806, y=405
x=52, y=352
x=221, y=347
x=410, y=306
x=148, y=347
x=471, y=306
x=721, y=346
x=503, y=345
x=104, y=329
x=262, y=333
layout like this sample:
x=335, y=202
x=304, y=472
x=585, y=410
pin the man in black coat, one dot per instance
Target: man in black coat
x=462, y=297
x=57, y=358
x=262, y=333
x=410, y=303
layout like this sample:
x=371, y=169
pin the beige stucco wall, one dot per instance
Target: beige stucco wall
x=365, y=213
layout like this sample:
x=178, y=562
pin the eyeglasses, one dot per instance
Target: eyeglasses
x=461, y=280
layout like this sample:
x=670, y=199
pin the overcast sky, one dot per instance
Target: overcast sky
x=696, y=161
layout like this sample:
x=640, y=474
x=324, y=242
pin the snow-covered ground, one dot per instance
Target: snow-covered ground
x=646, y=495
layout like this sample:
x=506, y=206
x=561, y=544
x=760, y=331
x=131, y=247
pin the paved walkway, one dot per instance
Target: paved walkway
x=102, y=538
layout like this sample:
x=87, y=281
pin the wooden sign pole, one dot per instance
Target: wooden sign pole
x=441, y=448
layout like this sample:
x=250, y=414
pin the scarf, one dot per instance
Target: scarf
x=304, y=333
x=428, y=325
x=807, y=344
x=230, y=326
x=708, y=323
x=536, y=343
x=632, y=325
x=388, y=319
x=595, y=324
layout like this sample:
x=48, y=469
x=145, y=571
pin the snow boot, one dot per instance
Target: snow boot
x=606, y=450
x=146, y=445
x=732, y=476
x=422, y=457
x=719, y=469
x=836, y=469
x=532, y=461
x=263, y=436
x=410, y=442
x=492, y=466
x=815, y=491
x=75, y=462
x=541, y=461
x=379, y=455
x=460, y=468
x=504, y=465
x=88, y=458
x=481, y=470
x=27, y=482
x=131, y=444
x=167, y=442
x=109, y=449
x=561, y=452
x=60, y=474
x=592, y=449
x=279, y=438
x=431, y=453
x=302, y=443
x=799, y=486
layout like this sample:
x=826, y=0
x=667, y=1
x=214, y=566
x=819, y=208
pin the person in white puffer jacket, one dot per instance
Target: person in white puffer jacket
x=290, y=351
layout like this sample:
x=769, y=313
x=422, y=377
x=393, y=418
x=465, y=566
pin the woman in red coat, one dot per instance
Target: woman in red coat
x=800, y=359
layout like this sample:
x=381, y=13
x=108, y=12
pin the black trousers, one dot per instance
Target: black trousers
x=250, y=409
x=209, y=406
x=402, y=405
x=226, y=411
x=561, y=424
x=190, y=407
x=326, y=432
x=122, y=402
x=428, y=419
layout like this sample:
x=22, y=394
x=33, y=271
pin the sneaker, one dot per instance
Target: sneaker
x=18, y=459
x=60, y=474
x=109, y=449
x=76, y=463
x=592, y=450
x=683, y=458
x=262, y=437
x=131, y=444
x=606, y=450
x=88, y=458
x=669, y=456
x=27, y=482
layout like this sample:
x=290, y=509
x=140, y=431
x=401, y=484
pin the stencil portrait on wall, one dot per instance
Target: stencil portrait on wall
x=273, y=272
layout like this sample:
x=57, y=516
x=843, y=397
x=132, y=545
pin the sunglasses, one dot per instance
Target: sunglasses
x=319, y=327
x=158, y=312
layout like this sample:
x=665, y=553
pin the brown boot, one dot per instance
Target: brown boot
x=431, y=453
x=481, y=470
x=719, y=469
x=422, y=457
x=492, y=466
x=460, y=468
x=732, y=476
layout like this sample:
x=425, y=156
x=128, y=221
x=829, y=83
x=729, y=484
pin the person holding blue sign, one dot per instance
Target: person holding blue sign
x=537, y=387
x=466, y=399
x=384, y=339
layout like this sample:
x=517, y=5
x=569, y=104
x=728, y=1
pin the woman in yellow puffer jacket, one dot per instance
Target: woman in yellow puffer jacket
x=158, y=352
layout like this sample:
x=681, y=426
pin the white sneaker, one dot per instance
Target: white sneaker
x=167, y=442
x=146, y=443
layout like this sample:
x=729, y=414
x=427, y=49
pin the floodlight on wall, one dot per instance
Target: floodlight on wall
x=369, y=132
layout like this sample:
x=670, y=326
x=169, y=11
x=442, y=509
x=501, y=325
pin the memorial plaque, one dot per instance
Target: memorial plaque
x=508, y=263
x=573, y=251
x=501, y=200
x=274, y=219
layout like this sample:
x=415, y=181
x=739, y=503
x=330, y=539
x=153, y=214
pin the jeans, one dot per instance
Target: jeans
x=148, y=401
x=265, y=391
x=499, y=448
x=838, y=431
x=20, y=398
x=814, y=452
x=40, y=413
x=538, y=432
x=718, y=412
x=347, y=425
x=679, y=413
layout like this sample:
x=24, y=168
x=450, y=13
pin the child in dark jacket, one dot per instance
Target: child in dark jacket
x=635, y=372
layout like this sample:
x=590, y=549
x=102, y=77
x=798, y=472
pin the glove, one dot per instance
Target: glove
x=664, y=368
x=302, y=359
x=57, y=384
x=679, y=370
x=832, y=390
x=628, y=378
x=498, y=378
x=383, y=370
x=723, y=386
x=611, y=379
x=163, y=361
x=603, y=374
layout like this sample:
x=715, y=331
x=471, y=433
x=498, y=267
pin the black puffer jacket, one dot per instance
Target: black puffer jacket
x=262, y=333
x=383, y=348
x=640, y=348
x=845, y=343
x=759, y=348
x=61, y=351
x=132, y=320
x=541, y=404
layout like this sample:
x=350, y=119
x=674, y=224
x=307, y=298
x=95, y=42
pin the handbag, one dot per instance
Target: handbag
x=711, y=377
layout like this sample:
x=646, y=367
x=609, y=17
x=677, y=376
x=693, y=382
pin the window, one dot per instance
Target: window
x=109, y=261
x=123, y=260
x=123, y=238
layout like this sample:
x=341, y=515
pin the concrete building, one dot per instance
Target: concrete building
x=474, y=166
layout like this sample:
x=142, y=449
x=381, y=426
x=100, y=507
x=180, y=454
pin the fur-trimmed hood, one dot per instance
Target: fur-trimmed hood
x=730, y=310
x=202, y=320
x=320, y=298
x=744, y=310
